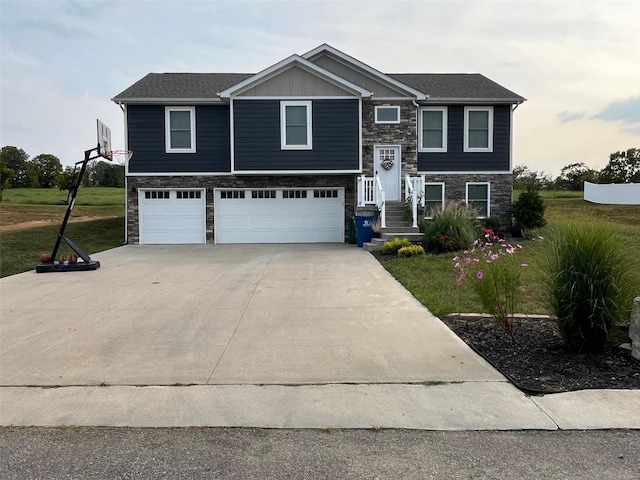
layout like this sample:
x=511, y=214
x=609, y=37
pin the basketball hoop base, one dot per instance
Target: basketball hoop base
x=67, y=267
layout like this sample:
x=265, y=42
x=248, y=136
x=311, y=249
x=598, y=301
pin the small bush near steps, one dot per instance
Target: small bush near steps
x=412, y=251
x=392, y=246
x=453, y=228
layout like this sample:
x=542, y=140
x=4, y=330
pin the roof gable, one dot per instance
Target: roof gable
x=286, y=64
x=358, y=72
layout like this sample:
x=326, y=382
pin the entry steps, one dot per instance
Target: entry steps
x=397, y=225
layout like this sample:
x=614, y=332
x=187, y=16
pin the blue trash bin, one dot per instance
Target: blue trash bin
x=364, y=230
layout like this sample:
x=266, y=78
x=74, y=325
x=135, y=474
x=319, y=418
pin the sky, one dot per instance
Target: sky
x=576, y=62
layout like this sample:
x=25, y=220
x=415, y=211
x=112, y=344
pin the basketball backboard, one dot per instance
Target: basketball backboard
x=104, y=139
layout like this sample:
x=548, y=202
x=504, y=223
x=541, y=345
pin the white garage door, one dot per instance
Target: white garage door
x=172, y=216
x=300, y=215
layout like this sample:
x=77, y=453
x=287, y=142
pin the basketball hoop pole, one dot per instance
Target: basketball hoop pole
x=87, y=263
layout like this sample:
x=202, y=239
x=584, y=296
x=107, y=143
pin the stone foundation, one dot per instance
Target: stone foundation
x=348, y=182
x=500, y=191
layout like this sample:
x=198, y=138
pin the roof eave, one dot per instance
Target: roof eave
x=478, y=101
x=165, y=100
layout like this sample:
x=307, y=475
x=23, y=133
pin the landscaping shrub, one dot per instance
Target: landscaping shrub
x=588, y=285
x=491, y=267
x=492, y=223
x=392, y=246
x=451, y=229
x=527, y=211
x=412, y=251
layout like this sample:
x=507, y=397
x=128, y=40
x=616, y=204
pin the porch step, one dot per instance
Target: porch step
x=376, y=243
x=399, y=229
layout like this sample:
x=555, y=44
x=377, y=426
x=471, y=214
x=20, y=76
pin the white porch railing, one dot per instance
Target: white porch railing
x=370, y=192
x=414, y=191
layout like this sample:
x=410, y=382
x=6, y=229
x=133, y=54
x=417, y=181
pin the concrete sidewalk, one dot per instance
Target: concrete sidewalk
x=283, y=336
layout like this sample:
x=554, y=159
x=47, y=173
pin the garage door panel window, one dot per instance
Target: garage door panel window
x=264, y=194
x=228, y=194
x=187, y=194
x=478, y=198
x=325, y=193
x=180, y=129
x=294, y=194
x=157, y=194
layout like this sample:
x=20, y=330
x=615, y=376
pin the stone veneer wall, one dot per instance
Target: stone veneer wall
x=403, y=134
x=231, y=181
x=500, y=190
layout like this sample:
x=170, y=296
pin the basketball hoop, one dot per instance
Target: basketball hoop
x=121, y=157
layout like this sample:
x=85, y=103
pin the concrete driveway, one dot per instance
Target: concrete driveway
x=250, y=314
x=277, y=336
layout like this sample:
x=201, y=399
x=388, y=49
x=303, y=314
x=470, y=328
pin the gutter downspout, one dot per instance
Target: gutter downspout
x=126, y=182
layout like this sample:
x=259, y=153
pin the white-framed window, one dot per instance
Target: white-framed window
x=180, y=129
x=387, y=114
x=432, y=129
x=478, y=197
x=478, y=129
x=295, y=125
x=433, y=198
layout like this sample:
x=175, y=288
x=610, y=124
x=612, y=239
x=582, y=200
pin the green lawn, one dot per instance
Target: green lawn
x=432, y=280
x=21, y=249
x=93, y=196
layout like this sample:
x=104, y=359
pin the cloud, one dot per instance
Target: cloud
x=627, y=111
x=566, y=116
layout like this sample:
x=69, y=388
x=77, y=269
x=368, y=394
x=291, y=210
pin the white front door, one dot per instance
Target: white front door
x=387, y=164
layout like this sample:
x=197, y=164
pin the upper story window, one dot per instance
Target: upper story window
x=387, y=114
x=180, y=129
x=478, y=129
x=295, y=125
x=432, y=129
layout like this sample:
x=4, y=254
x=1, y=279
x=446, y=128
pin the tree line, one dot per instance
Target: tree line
x=18, y=170
x=623, y=167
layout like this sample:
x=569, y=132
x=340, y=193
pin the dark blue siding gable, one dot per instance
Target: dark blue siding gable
x=146, y=138
x=456, y=160
x=335, y=137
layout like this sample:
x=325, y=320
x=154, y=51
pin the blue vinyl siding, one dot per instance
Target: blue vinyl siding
x=335, y=137
x=146, y=138
x=456, y=160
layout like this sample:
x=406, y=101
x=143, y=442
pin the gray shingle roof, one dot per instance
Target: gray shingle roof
x=205, y=86
x=457, y=86
x=180, y=86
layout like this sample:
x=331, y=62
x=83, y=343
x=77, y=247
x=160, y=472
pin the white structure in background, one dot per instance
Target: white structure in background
x=612, y=193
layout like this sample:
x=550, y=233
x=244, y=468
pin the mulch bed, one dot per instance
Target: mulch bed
x=538, y=363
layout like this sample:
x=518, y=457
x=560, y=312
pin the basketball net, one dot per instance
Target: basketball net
x=121, y=157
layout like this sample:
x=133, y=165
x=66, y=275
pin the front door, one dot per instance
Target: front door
x=387, y=165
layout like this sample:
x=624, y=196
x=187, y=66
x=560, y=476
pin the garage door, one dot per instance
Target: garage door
x=172, y=216
x=302, y=215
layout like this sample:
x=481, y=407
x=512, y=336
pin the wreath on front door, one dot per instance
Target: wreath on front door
x=387, y=163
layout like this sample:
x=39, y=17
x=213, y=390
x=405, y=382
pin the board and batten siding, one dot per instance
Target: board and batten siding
x=335, y=137
x=146, y=138
x=455, y=159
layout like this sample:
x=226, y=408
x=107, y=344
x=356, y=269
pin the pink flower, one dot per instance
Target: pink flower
x=494, y=256
x=477, y=260
x=524, y=264
x=479, y=275
x=455, y=259
x=467, y=260
x=459, y=281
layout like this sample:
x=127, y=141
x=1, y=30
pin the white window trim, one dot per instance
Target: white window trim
x=488, y=184
x=425, y=196
x=283, y=125
x=167, y=129
x=395, y=107
x=466, y=129
x=445, y=122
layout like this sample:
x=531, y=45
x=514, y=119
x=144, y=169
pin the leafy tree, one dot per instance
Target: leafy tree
x=523, y=177
x=573, y=176
x=16, y=159
x=6, y=174
x=623, y=167
x=49, y=167
x=66, y=178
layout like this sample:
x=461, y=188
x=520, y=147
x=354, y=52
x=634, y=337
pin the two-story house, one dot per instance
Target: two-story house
x=288, y=154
